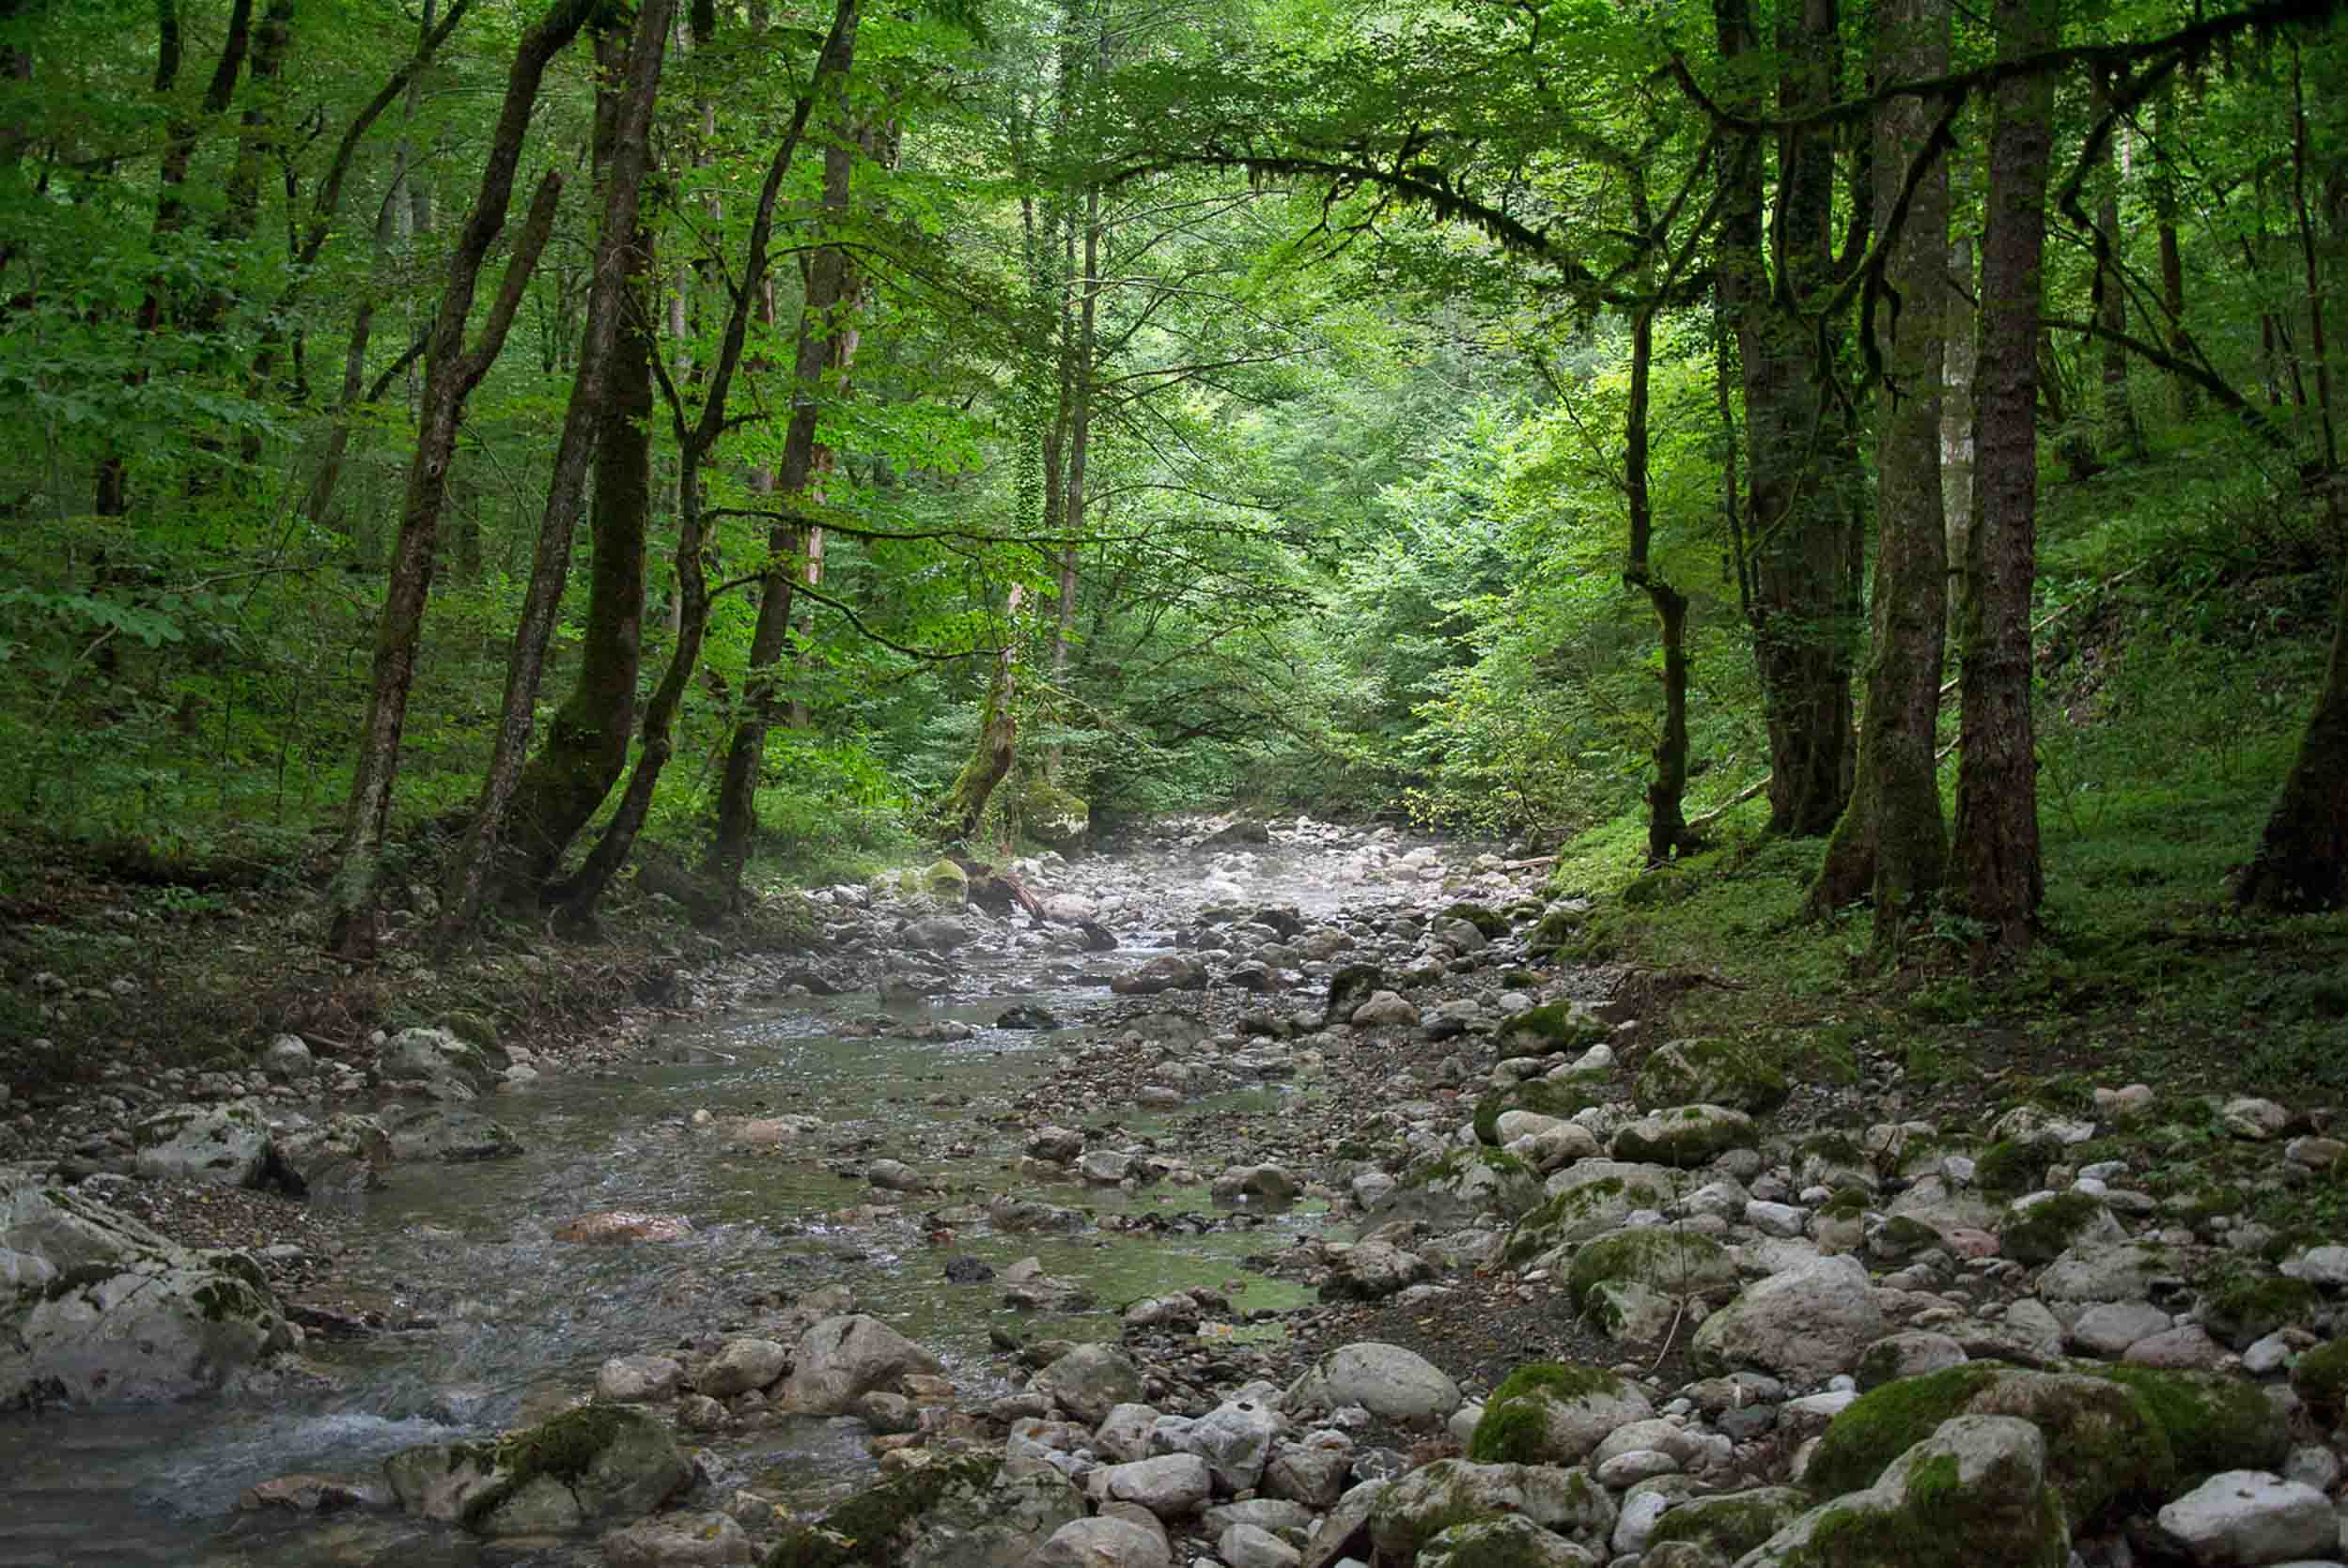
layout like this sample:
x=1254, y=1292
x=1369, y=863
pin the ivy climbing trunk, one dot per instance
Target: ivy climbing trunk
x=539, y=808
x=1994, y=875
x=453, y=368
x=1891, y=841
x=959, y=810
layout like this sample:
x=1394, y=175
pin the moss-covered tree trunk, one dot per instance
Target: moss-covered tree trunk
x=958, y=810
x=1995, y=872
x=1892, y=840
x=1802, y=462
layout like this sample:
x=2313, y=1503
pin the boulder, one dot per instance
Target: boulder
x=434, y=1063
x=288, y=1057
x=1090, y=1381
x=1235, y=1439
x=638, y=1379
x=1255, y=1184
x=1104, y=1542
x=1511, y=1540
x=1685, y=1136
x=679, y=1541
x=741, y=1365
x=1555, y=1413
x=448, y=1135
x=1670, y=1260
x=1383, y=1007
x=1973, y=1493
x=1373, y=1270
x=227, y=1145
x=1804, y=1325
x=1432, y=1498
x=1588, y=1198
x=594, y=1464
x=1710, y=1072
x=2240, y=1518
x=336, y=1159
x=967, y=1512
x=100, y=1309
x=1384, y=1379
x=1171, y=1486
x=842, y=1358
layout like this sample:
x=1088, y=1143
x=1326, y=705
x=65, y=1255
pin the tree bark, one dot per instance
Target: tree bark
x=1666, y=818
x=1892, y=840
x=2171, y=253
x=1957, y=364
x=453, y=369
x=959, y=810
x=1995, y=872
x=822, y=322
x=609, y=419
x=2124, y=438
x=1798, y=511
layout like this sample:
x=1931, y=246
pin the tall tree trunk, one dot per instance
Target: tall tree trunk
x=453, y=369
x=611, y=401
x=1080, y=453
x=696, y=440
x=1666, y=818
x=1798, y=514
x=822, y=318
x=2171, y=253
x=1891, y=839
x=1995, y=872
x=2124, y=438
x=2302, y=860
x=1957, y=365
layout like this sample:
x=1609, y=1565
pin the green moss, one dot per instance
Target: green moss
x=1515, y=1426
x=1731, y=1524
x=2321, y=1377
x=2211, y=1423
x=1878, y=1427
x=1941, y=1526
x=2039, y=1233
x=1554, y=1026
x=1660, y=1257
x=2249, y=1307
x=1845, y=1202
x=1509, y=1435
x=1491, y=923
x=1558, y=1380
x=2008, y=1168
x=1544, y=1097
x=869, y=1527
x=472, y=1028
x=1453, y=1163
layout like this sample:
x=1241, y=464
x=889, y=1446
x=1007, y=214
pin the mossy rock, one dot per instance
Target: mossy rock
x=1462, y=1184
x=1602, y=1195
x=2112, y=1433
x=2250, y=1306
x=946, y=883
x=1350, y=986
x=588, y=1466
x=1490, y=921
x=872, y=1525
x=1935, y=1516
x=1551, y=1028
x=2102, y=1443
x=1654, y=888
x=1553, y=1413
x=1559, y=1097
x=1732, y=1523
x=1675, y=1262
x=1685, y=1136
x=1555, y=929
x=2042, y=1232
x=2320, y=1377
x=472, y=1028
x=2008, y=1168
x=2213, y=1422
x=1711, y=1071
x=1053, y=816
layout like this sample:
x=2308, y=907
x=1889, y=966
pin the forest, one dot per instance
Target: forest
x=467, y=451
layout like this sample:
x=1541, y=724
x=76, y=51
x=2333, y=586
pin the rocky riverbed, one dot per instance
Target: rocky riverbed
x=1324, y=1216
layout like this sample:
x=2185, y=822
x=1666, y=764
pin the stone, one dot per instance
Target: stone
x=1728, y=1524
x=1105, y=1541
x=1911, y=1353
x=2244, y=1518
x=1383, y=1007
x=1244, y=1546
x=2121, y=1271
x=1974, y=1492
x=621, y=1227
x=1373, y=1270
x=1384, y=1379
x=1710, y=1072
x=450, y=1135
x=679, y=1541
x=434, y=1063
x=585, y=1467
x=1511, y=1540
x=314, y=1494
x=842, y=1358
x=1090, y=1381
x=107, y=1310
x=335, y=1160
x=1431, y=1500
x=1683, y=1137
x=1805, y=1323
x=741, y=1365
x=227, y=1145
x=1555, y=1413
x=2108, y=1327
x=1172, y=1485
x=1235, y=1439
x=288, y=1057
x=1255, y=1184
x=638, y=1379
x=1312, y=1472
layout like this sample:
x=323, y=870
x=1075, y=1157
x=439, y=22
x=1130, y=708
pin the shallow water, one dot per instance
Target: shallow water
x=512, y=1322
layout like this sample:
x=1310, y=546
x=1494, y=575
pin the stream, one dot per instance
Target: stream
x=505, y=1323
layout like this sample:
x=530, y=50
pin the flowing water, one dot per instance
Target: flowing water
x=506, y=1322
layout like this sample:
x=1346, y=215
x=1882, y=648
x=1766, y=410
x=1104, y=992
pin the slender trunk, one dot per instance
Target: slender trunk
x=1666, y=818
x=1079, y=453
x=2171, y=253
x=610, y=403
x=695, y=441
x=959, y=812
x=2302, y=860
x=1957, y=367
x=1995, y=871
x=2123, y=437
x=453, y=369
x=1891, y=839
x=821, y=318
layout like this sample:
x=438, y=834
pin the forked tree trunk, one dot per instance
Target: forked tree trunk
x=610, y=401
x=964, y=803
x=1995, y=873
x=453, y=369
x=1891, y=841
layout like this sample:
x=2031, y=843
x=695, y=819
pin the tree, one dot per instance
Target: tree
x=1892, y=840
x=1994, y=875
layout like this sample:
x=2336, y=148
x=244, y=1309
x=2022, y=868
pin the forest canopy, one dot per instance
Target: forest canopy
x=480, y=447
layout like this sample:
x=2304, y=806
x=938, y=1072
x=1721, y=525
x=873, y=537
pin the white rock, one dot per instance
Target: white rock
x=2250, y=1517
